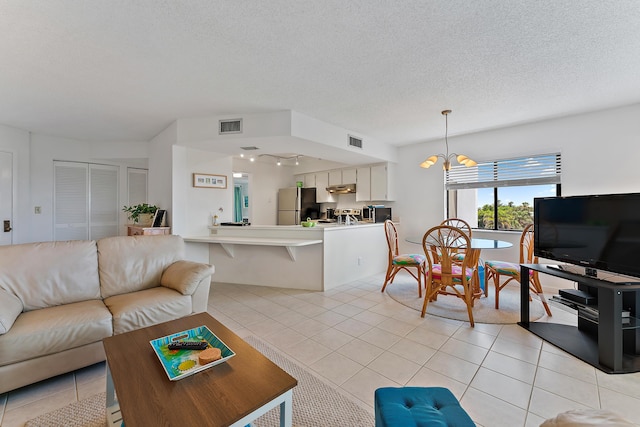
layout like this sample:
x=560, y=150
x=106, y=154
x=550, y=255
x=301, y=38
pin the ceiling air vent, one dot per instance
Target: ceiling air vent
x=355, y=142
x=230, y=126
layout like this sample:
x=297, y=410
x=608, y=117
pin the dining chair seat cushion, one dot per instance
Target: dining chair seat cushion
x=458, y=257
x=408, y=259
x=456, y=270
x=418, y=406
x=507, y=268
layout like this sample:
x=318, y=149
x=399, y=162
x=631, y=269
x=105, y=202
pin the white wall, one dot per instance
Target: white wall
x=161, y=172
x=599, y=156
x=44, y=149
x=265, y=179
x=200, y=202
x=17, y=142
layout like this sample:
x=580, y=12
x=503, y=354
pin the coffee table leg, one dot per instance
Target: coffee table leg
x=284, y=401
x=114, y=416
x=286, y=410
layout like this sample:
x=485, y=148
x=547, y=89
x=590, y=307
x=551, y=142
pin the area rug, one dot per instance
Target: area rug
x=406, y=293
x=314, y=403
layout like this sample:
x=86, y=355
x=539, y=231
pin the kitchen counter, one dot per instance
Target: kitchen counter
x=316, y=258
x=323, y=225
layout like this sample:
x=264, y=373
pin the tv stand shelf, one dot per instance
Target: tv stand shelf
x=606, y=344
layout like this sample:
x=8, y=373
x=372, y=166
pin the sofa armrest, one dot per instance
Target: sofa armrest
x=10, y=309
x=184, y=276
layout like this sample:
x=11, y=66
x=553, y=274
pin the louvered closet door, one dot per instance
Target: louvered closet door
x=70, y=202
x=103, y=196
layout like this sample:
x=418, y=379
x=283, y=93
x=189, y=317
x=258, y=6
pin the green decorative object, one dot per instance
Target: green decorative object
x=137, y=212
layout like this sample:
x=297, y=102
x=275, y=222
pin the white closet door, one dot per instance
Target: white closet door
x=137, y=186
x=70, y=202
x=103, y=198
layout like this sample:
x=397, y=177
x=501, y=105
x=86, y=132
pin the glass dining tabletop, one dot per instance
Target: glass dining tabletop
x=476, y=243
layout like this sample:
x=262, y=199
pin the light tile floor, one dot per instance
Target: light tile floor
x=358, y=339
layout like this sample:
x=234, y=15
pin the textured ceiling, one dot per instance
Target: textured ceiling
x=123, y=70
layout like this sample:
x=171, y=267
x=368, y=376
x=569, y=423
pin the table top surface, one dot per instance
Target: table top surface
x=476, y=243
x=217, y=396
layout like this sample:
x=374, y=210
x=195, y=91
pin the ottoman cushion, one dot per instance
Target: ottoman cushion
x=419, y=406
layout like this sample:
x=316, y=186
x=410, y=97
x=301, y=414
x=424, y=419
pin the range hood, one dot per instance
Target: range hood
x=342, y=189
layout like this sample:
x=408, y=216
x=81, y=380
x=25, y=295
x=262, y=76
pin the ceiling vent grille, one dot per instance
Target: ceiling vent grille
x=355, y=142
x=230, y=126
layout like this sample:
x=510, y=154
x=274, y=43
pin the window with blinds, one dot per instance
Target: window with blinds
x=499, y=195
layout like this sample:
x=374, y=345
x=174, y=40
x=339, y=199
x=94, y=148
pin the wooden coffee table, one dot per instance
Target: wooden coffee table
x=232, y=393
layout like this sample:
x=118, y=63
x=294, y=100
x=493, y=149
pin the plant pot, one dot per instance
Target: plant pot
x=144, y=220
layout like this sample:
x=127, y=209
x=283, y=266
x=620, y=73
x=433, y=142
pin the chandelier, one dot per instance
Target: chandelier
x=462, y=159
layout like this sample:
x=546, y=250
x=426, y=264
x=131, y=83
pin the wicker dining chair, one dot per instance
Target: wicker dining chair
x=458, y=223
x=445, y=274
x=398, y=261
x=496, y=270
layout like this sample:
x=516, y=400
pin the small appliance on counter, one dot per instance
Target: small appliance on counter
x=328, y=217
x=373, y=213
x=345, y=216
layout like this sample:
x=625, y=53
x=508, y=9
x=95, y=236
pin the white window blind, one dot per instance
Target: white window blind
x=532, y=170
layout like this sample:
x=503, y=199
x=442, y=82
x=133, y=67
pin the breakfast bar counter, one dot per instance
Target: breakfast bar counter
x=315, y=258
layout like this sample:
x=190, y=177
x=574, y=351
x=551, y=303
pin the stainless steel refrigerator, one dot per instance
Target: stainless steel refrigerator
x=297, y=204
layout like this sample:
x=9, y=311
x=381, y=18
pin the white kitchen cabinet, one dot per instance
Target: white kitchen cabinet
x=382, y=182
x=322, y=182
x=348, y=176
x=310, y=180
x=363, y=184
x=375, y=183
x=335, y=177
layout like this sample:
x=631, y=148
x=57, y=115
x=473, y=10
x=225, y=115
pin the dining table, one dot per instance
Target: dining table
x=473, y=252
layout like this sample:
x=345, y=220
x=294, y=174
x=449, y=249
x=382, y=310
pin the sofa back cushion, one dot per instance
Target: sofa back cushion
x=48, y=274
x=133, y=263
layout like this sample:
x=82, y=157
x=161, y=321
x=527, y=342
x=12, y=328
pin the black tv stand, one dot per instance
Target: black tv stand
x=605, y=343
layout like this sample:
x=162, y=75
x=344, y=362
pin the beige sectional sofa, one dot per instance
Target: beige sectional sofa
x=58, y=300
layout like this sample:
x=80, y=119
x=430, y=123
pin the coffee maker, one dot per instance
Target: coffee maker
x=331, y=213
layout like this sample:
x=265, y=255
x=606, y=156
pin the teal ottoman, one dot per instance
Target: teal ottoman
x=419, y=406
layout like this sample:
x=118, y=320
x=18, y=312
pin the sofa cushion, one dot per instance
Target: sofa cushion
x=10, y=309
x=47, y=274
x=184, y=276
x=140, y=309
x=51, y=330
x=133, y=263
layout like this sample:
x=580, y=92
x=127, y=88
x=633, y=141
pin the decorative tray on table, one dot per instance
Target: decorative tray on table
x=182, y=363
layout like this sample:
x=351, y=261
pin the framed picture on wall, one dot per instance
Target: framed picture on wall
x=206, y=180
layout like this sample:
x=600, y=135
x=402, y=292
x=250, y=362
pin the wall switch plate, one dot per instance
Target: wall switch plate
x=38, y=210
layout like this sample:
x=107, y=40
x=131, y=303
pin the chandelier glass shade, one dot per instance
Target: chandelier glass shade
x=447, y=158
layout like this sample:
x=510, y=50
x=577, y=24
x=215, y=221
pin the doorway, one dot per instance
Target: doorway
x=6, y=198
x=241, y=200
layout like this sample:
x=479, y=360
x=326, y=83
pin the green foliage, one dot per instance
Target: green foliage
x=135, y=211
x=510, y=216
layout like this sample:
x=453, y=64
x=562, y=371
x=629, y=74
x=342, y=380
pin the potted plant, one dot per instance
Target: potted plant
x=140, y=214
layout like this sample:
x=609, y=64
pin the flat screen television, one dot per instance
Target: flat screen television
x=600, y=232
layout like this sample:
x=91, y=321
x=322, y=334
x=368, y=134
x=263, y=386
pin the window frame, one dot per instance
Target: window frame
x=542, y=169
